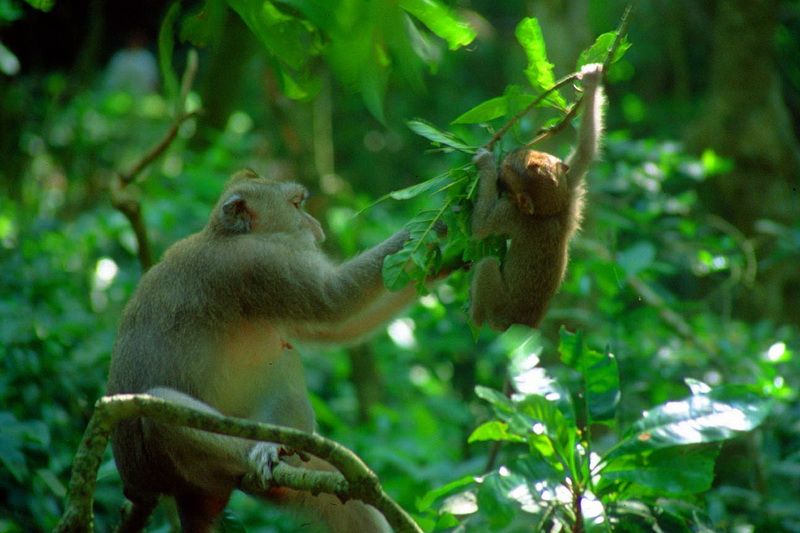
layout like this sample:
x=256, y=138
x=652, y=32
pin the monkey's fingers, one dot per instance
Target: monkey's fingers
x=262, y=459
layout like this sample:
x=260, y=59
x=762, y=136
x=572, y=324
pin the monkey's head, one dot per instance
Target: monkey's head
x=536, y=182
x=251, y=204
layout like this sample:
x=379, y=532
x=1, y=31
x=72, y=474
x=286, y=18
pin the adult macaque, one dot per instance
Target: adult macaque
x=539, y=214
x=213, y=325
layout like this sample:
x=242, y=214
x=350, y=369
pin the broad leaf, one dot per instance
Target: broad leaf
x=441, y=21
x=599, y=50
x=494, y=430
x=437, y=136
x=677, y=470
x=600, y=374
x=720, y=414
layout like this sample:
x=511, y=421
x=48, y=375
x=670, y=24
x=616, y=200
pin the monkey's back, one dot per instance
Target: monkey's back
x=534, y=268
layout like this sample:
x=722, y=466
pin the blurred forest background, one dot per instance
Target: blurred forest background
x=688, y=265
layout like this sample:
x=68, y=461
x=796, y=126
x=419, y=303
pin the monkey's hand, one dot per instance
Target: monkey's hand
x=262, y=458
x=484, y=159
x=591, y=75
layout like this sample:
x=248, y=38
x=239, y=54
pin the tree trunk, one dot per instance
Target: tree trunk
x=747, y=120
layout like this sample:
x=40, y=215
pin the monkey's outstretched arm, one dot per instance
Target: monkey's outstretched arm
x=591, y=126
x=302, y=288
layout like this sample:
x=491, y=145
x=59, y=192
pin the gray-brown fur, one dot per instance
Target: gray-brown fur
x=214, y=326
x=520, y=290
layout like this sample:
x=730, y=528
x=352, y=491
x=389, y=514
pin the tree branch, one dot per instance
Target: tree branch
x=123, y=198
x=354, y=479
x=544, y=133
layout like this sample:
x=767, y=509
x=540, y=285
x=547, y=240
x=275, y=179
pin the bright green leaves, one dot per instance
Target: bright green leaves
x=446, y=140
x=539, y=70
x=599, y=50
x=441, y=21
x=365, y=43
x=555, y=475
x=708, y=415
x=419, y=255
x=539, y=73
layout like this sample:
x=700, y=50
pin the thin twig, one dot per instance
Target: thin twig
x=516, y=118
x=545, y=133
x=125, y=200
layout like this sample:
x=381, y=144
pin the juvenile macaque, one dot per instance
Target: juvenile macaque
x=539, y=214
x=213, y=326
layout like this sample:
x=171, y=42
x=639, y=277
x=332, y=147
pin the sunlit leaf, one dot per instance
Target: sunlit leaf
x=437, y=136
x=494, y=397
x=599, y=50
x=539, y=70
x=493, y=430
x=441, y=21
x=721, y=414
x=426, y=502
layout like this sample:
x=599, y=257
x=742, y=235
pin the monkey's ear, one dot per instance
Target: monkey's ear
x=236, y=217
x=525, y=203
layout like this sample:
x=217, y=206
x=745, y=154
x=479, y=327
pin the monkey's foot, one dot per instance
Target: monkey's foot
x=262, y=458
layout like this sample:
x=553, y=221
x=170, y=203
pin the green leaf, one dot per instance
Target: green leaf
x=494, y=430
x=420, y=254
x=284, y=36
x=166, y=46
x=484, y=112
x=441, y=21
x=499, y=400
x=494, y=501
x=426, y=502
x=677, y=470
x=42, y=5
x=430, y=186
x=601, y=379
x=438, y=137
x=204, y=28
x=570, y=348
x=720, y=414
x=600, y=374
x=561, y=432
x=539, y=70
x=599, y=50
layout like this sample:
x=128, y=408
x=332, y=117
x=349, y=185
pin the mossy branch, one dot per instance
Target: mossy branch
x=354, y=480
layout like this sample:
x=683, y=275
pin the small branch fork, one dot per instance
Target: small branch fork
x=353, y=481
x=124, y=198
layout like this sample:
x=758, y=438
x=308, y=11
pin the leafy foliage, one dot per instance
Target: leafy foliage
x=655, y=278
x=363, y=43
x=562, y=476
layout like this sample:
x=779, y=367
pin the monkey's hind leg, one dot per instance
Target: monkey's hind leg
x=490, y=299
x=136, y=513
